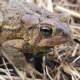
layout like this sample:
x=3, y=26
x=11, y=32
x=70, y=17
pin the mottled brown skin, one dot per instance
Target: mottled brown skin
x=20, y=31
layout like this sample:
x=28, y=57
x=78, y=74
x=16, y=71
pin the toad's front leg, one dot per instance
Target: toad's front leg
x=12, y=49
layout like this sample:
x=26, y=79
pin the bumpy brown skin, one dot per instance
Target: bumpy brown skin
x=20, y=31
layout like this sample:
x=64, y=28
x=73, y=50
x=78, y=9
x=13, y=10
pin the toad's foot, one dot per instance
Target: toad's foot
x=16, y=56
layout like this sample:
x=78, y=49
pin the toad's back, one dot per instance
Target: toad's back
x=11, y=24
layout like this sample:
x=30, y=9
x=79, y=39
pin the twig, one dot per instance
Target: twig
x=30, y=1
x=44, y=68
x=76, y=59
x=3, y=64
x=48, y=74
x=76, y=27
x=75, y=50
x=69, y=5
x=14, y=78
x=6, y=68
x=1, y=78
x=56, y=53
x=49, y=5
x=9, y=69
x=71, y=12
x=2, y=1
x=60, y=2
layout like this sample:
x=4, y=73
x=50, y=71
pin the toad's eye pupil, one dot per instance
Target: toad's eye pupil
x=46, y=30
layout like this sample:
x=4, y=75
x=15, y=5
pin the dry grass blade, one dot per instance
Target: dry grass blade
x=44, y=68
x=2, y=70
x=2, y=1
x=6, y=68
x=72, y=71
x=75, y=50
x=48, y=74
x=76, y=59
x=2, y=78
x=71, y=12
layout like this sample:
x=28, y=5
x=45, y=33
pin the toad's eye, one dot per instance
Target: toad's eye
x=46, y=30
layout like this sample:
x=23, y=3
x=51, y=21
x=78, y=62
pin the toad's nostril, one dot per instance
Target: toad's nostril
x=63, y=33
x=70, y=31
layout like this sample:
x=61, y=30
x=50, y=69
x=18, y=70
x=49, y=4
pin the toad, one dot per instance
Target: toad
x=24, y=28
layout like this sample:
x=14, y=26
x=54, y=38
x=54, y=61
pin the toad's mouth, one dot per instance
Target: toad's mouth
x=56, y=40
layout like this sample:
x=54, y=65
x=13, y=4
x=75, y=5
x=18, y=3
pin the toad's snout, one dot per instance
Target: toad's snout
x=60, y=37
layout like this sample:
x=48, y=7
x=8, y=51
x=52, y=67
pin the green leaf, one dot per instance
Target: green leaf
x=41, y=54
